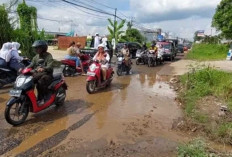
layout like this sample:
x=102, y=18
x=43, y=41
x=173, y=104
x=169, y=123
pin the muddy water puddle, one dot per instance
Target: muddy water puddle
x=133, y=110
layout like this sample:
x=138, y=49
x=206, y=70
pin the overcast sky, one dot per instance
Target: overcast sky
x=181, y=17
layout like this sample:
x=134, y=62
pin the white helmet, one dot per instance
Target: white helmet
x=101, y=45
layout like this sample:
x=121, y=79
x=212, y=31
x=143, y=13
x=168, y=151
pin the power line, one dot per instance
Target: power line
x=88, y=5
x=94, y=2
x=88, y=13
x=103, y=12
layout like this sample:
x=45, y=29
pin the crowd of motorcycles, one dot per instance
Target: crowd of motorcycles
x=23, y=96
x=149, y=57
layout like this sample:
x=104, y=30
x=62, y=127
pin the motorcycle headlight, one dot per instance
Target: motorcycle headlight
x=22, y=80
x=120, y=59
x=138, y=54
x=92, y=67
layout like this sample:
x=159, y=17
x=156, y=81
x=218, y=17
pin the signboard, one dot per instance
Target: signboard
x=160, y=38
x=201, y=33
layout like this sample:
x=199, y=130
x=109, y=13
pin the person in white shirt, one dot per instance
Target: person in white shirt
x=5, y=54
x=104, y=42
x=96, y=41
x=104, y=58
x=15, y=58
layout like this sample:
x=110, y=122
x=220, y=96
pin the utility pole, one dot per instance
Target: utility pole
x=114, y=40
x=115, y=15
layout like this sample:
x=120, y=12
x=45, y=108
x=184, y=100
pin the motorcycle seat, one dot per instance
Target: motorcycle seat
x=57, y=76
x=68, y=62
x=56, y=79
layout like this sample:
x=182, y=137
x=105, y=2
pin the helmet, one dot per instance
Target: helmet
x=101, y=45
x=40, y=44
x=78, y=44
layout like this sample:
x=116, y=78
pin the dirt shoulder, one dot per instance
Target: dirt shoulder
x=182, y=66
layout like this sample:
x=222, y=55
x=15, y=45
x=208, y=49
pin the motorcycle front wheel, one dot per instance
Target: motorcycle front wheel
x=1, y=84
x=138, y=61
x=119, y=71
x=91, y=86
x=60, y=96
x=149, y=62
x=15, y=114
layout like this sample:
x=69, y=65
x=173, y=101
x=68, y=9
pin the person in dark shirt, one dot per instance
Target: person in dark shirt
x=43, y=76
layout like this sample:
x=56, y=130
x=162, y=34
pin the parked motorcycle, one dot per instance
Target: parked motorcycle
x=122, y=67
x=8, y=76
x=141, y=57
x=70, y=66
x=95, y=79
x=23, y=98
x=152, y=60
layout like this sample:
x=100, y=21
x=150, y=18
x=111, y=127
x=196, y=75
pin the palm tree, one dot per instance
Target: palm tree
x=115, y=29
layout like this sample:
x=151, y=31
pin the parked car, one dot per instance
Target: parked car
x=185, y=48
x=169, y=52
x=133, y=47
x=180, y=48
x=175, y=44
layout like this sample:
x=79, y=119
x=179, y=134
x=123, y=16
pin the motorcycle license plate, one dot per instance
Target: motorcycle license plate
x=119, y=62
x=15, y=93
x=90, y=73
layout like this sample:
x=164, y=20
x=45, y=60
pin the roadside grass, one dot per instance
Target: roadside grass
x=199, y=148
x=205, y=82
x=194, y=148
x=204, y=52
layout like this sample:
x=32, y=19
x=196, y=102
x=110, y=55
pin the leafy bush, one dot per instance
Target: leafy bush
x=5, y=27
x=208, y=52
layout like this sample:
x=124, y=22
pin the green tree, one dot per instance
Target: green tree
x=222, y=19
x=5, y=26
x=27, y=33
x=115, y=28
x=133, y=35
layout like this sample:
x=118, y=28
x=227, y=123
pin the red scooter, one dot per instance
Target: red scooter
x=70, y=65
x=23, y=98
x=95, y=78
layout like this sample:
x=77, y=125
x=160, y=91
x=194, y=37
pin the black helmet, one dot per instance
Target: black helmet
x=40, y=44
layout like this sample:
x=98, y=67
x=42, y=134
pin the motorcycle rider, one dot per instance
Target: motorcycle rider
x=43, y=77
x=126, y=53
x=104, y=58
x=77, y=49
x=144, y=47
x=153, y=49
x=15, y=58
x=72, y=55
x=5, y=54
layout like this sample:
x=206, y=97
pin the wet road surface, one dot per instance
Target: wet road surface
x=133, y=117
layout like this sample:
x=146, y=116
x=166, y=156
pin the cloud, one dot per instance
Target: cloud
x=182, y=17
x=162, y=10
x=184, y=28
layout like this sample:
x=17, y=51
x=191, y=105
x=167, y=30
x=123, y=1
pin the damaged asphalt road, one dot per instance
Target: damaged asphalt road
x=134, y=116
